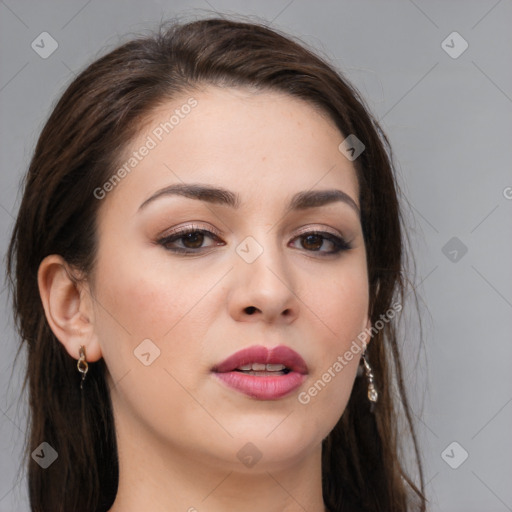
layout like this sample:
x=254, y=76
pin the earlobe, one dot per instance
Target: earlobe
x=68, y=308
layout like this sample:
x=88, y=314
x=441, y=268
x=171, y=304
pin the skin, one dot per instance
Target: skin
x=179, y=428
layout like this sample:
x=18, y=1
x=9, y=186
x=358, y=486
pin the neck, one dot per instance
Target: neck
x=158, y=477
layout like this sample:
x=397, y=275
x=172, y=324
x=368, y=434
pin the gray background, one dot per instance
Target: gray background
x=449, y=121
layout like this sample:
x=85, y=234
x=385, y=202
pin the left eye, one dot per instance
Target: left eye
x=192, y=241
x=314, y=240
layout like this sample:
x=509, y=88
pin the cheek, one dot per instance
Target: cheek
x=340, y=301
x=339, y=308
x=139, y=300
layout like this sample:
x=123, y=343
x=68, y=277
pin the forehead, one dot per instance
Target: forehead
x=265, y=145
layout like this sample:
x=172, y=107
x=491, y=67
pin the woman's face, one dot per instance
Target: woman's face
x=169, y=307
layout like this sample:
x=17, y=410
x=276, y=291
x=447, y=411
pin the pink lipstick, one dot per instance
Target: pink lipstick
x=263, y=373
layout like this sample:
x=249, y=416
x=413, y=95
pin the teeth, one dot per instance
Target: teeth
x=260, y=367
x=275, y=367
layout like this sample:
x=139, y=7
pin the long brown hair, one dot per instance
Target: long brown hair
x=79, y=149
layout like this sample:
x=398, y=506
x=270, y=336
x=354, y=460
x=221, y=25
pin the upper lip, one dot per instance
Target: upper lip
x=260, y=354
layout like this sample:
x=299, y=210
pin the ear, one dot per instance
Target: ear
x=68, y=306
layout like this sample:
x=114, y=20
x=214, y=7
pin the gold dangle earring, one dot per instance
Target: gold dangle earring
x=372, y=391
x=82, y=365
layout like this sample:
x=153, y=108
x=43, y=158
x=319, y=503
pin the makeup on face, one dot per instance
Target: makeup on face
x=263, y=373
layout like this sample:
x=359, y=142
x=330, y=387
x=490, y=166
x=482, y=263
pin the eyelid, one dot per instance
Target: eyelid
x=191, y=227
x=302, y=230
x=309, y=228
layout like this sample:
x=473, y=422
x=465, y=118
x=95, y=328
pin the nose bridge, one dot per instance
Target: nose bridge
x=260, y=251
x=262, y=278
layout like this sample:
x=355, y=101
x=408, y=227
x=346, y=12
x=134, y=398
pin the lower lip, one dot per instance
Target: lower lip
x=263, y=388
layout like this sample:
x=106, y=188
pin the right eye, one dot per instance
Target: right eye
x=191, y=238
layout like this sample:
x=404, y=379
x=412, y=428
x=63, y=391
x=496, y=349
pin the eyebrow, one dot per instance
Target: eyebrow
x=217, y=195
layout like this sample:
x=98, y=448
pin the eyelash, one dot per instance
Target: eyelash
x=340, y=245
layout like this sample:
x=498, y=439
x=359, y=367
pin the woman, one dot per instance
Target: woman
x=207, y=266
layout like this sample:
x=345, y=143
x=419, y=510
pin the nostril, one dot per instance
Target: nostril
x=250, y=310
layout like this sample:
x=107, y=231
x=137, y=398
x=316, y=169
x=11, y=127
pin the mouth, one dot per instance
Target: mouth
x=264, y=370
x=262, y=373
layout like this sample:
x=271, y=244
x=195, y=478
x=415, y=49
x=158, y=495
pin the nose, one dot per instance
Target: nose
x=263, y=289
